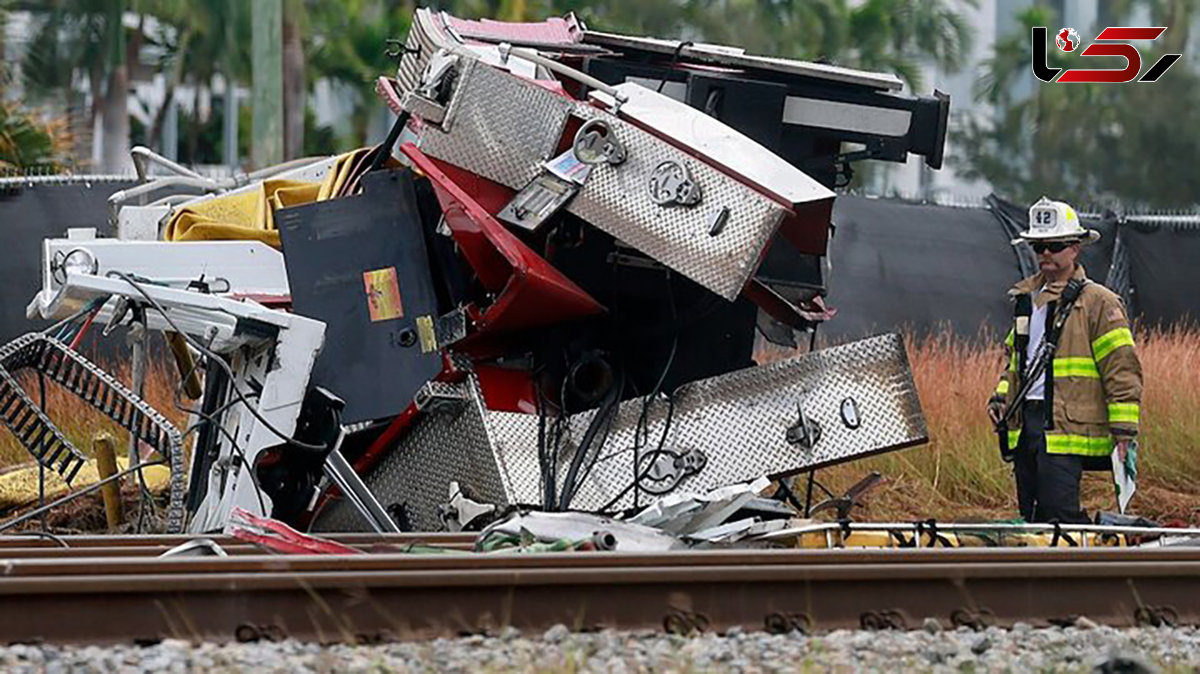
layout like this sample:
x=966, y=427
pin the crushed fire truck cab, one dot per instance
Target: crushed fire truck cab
x=542, y=289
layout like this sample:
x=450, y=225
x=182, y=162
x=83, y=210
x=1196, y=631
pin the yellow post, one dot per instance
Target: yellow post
x=186, y=364
x=105, y=451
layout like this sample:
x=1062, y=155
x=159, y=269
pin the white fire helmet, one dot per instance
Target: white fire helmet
x=1055, y=221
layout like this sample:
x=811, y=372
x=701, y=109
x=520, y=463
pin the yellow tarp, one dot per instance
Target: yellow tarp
x=20, y=487
x=251, y=215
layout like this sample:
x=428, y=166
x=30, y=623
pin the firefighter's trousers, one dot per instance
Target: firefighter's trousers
x=1047, y=484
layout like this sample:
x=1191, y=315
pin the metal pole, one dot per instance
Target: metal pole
x=137, y=342
x=137, y=338
x=266, y=21
x=170, y=131
x=354, y=490
x=231, y=106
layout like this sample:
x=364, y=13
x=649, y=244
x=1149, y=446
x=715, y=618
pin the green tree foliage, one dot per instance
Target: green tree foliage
x=347, y=43
x=893, y=36
x=1113, y=145
x=191, y=42
x=88, y=38
x=26, y=143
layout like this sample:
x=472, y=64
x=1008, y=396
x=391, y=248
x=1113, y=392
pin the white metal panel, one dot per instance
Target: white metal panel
x=846, y=116
x=712, y=138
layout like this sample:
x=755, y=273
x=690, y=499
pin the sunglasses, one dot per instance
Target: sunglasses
x=1052, y=246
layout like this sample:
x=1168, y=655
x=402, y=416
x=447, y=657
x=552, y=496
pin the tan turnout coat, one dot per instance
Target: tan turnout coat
x=1093, y=383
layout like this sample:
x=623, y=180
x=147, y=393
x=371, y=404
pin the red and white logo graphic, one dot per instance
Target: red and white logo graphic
x=1112, y=41
x=1067, y=39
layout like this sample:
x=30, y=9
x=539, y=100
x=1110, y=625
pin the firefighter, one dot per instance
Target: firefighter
x=1083, y=402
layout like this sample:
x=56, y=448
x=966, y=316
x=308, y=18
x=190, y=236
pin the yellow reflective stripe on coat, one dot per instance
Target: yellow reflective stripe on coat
x=1002, y=387
x=1082, y=445
x=1013, y=438
x=1125, y=413
x=1111, y=341
x=1076, y=367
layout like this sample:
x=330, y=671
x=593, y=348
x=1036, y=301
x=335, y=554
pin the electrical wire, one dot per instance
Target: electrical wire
x=657, y=450
x=608, y=424
x=87, y=323
x=74, y=495
x=641, y=428
x=213, y=419
x=543, y=459
x=603, y=417
x=64, y=324
x=46, y=535
x=237, y=451
x=212, y=356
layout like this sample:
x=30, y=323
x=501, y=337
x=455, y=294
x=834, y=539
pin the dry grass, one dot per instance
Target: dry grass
x=959, y=474
x=80, y=422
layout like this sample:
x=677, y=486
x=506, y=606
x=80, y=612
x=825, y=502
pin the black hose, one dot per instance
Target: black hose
x=569, y=485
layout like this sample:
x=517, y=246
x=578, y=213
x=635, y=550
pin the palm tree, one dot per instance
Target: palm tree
x=1098, y=144
x=91, y=32
x=25, y=142
x=201, y=38
x=887, y=35
x=348, y=44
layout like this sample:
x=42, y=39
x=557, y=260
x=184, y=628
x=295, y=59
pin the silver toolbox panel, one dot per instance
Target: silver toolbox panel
x=447, y=443
x=738, y=421
x=503, y=128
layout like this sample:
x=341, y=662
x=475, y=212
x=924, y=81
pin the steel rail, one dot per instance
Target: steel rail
x=360, y=605
x=248, y=559
x=18, y=540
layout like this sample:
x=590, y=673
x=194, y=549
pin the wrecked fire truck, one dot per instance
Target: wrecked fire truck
x=541, y=290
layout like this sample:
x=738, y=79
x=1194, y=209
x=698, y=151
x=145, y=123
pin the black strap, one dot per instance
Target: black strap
x=1022, y=308
x=1053, y=331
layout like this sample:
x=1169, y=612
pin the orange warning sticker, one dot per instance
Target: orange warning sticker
x=383, y=294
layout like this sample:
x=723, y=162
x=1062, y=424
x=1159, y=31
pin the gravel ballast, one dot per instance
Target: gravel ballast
x=929, y=649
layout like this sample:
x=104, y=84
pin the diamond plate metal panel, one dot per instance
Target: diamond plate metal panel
x=497, y=125
x=503, y=127
x=617, y=200
x=443, y=446
x=740, y=422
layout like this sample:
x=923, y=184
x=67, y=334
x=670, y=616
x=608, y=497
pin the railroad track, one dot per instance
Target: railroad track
x=115, y=589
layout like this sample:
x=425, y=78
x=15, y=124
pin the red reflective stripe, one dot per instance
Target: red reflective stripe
x=1125, y=33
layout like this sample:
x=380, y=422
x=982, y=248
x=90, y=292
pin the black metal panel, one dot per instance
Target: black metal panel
x=652, y=311
x=753, y=108
x=754, y=94
x=374, y=362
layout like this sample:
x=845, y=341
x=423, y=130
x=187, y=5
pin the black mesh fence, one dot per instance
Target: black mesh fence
x=892, y=265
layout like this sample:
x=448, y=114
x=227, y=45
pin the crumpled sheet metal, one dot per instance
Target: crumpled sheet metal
x=687, y=514
x=575, y=526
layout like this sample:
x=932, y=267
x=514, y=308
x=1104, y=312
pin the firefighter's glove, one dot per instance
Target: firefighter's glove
x=995, y=410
